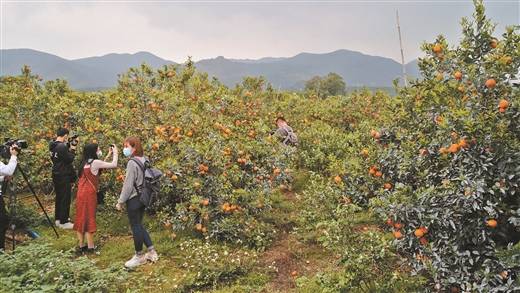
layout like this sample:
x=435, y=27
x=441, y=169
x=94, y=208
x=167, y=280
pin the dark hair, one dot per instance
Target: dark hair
x=136, y=144
x=89, y=153
x=62, y=131
x=280, y=118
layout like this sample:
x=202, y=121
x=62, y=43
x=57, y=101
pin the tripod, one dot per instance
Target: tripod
x=12, y=204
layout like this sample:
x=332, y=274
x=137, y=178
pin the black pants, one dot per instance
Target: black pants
x=63, y=189
x=135, y=211
x=4, y=218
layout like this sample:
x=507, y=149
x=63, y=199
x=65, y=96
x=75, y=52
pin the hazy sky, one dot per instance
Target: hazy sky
x=235, y=29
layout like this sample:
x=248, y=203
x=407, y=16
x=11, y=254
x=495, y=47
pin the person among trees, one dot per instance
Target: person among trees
x=285, y=133
x=135, y=208
x=6, y=171
x=63, y=175
x=86, y=198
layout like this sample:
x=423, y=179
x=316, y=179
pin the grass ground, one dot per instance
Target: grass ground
x=276, y=269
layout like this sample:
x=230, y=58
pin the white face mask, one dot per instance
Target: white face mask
x=99, y=154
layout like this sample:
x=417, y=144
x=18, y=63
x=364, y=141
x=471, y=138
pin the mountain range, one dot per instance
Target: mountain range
x=357, y=69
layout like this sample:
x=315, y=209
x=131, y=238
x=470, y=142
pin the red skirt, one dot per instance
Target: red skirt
x=86, y=203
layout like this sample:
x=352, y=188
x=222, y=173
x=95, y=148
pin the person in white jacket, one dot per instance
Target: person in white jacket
x=5, y=170
x=8, y=170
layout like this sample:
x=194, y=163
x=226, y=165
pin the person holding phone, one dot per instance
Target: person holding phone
x=86, y=198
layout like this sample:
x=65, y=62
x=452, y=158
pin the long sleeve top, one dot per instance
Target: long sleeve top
x=99, y=164
x=8, y=170
x=134, y=176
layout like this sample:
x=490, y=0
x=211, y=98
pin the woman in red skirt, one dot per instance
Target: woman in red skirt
x=86, y=198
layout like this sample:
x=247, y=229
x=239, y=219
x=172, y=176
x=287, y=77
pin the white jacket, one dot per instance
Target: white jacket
x=8, y=170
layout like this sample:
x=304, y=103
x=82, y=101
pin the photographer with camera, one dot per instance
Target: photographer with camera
x=6, y=170
x=63, y=152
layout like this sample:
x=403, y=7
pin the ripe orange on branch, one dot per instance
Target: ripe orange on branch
x=437, y=48
x=458, y=75
x=491, y=83
x=398, y=234
x=503, y=104
x=492, y=223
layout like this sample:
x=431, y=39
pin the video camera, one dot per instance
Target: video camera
x=18, y=144
x=73, y=140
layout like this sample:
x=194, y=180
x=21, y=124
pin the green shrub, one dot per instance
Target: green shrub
x=36, y=267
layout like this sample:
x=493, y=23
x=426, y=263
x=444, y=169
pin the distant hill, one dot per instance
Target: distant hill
x=357, y=69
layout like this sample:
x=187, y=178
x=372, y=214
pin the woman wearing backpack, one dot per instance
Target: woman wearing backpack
x=86, y=198
x=135, y=209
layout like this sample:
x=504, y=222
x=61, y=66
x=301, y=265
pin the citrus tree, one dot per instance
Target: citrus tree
x=448, y=162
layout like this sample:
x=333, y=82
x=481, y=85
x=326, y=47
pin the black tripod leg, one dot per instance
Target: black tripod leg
x=12, y=212
x=38, y=200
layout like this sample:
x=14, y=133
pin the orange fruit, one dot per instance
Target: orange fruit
x=458, y=75
x=454, y=148
x=491, y=83
x=419, y=232
x=155, y=146
x=389, y=222
x=437, y=49
x=294, y=273
x=503, y=104
x=398, y=225
x=277, y=171
x=375, y=134
x=398, y=234
x=338, y=179
x=493, y=43
x=198, y=227
x=379, y=174
x=424, y=152
x=492, y=223
x=372, y=170
x=502, y=110
x=463, y=144
x=504, y=275
x=364, y=153
x=204, y=202
x=388, y=186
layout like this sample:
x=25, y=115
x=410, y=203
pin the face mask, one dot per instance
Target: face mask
x=127, y=151
x=99, y=154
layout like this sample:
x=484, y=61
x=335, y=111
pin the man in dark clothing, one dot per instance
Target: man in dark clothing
x=63, y=175
x=285, y=133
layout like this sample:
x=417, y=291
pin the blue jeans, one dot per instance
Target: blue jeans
x=135, y=211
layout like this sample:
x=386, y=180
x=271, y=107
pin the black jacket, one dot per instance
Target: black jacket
x=62, y=159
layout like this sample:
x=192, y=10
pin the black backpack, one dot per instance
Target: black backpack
x=148, y=191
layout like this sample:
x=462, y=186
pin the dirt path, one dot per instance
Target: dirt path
x=290, y=258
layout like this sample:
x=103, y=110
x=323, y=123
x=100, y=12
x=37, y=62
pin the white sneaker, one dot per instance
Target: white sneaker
x=152, y=256
x=57, y=223
x=66, y=226
x=136, y=261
